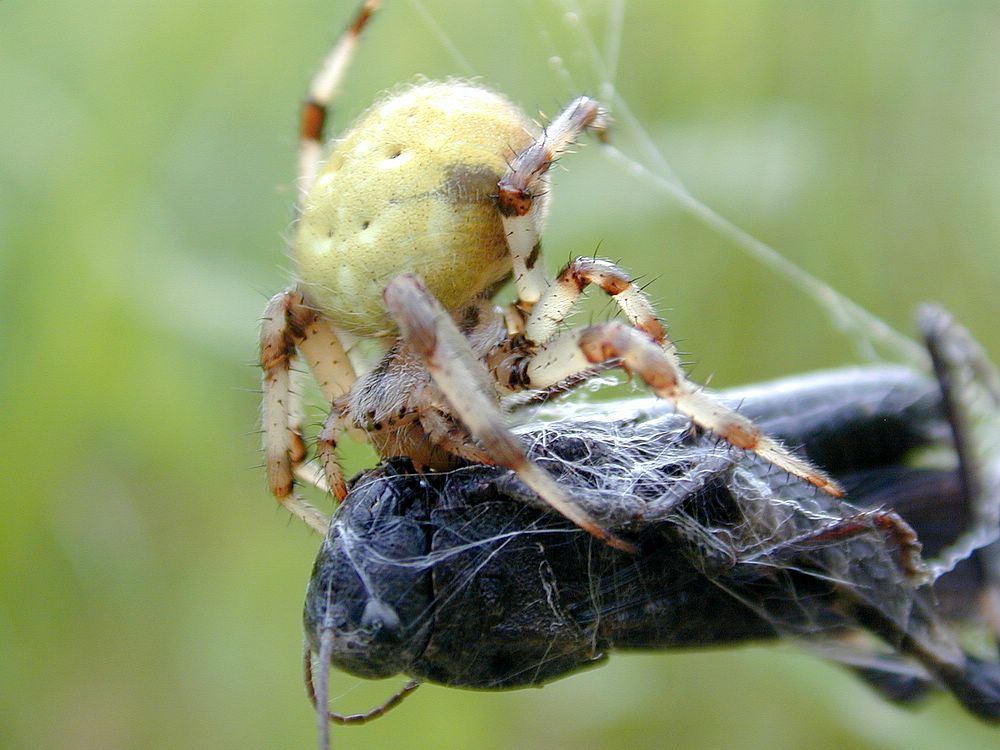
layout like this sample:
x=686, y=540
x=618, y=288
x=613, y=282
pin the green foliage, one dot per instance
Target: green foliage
x=150, y=592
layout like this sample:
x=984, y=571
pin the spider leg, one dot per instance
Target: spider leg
x=427, y=328
x=522, y=199
x=444, y=431
x=559, y=299
x=326, y=452
x=290, y=326
x=582, y=349
x=322, y=90
x=311, y=474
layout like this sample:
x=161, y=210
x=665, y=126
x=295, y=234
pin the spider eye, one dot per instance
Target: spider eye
x=381, y=620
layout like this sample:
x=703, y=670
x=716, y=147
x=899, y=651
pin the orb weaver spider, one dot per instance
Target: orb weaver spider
x=419, y=213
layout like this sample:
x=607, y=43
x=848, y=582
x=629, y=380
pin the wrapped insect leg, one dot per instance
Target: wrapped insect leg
x=970, y=397
x=954, y=512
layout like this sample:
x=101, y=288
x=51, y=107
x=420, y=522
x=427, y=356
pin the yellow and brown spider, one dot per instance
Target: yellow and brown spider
x=420, y=212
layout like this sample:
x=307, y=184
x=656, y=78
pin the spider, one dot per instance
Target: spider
x=405, y=231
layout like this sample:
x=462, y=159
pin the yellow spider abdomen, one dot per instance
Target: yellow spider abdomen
x=411, y=189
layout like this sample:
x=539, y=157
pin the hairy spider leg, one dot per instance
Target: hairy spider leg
x=579, y=350
x=289, y=322
x=290, y=326
x=522, y=206
x=322, y=90
x=430, y=332
x=326, y=451
x=522, y=197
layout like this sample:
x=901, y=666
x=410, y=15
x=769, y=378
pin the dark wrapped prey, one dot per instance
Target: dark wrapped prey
x=464, y=579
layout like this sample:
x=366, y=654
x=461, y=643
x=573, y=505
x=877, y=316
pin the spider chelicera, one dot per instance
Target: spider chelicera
x=405, y=230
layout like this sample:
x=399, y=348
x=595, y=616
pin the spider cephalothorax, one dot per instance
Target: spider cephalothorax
x=435, y=197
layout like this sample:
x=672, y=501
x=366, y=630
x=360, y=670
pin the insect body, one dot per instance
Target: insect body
x=433, y=199
x=454, y=579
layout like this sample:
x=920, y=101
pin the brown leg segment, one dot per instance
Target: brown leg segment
x=290, y=324
x=326, y=452
x=521, y=196
x=322, y=91
x=583, y=349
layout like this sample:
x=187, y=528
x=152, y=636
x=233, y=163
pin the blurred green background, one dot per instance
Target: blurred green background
x=150, y=591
